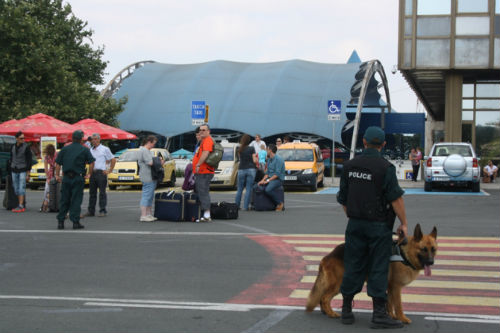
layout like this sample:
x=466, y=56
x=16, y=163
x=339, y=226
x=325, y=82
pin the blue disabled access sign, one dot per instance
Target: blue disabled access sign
x=334, y=109
x=197, y=113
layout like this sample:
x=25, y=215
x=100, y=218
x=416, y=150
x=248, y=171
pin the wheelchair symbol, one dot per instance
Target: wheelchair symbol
x=333, y=108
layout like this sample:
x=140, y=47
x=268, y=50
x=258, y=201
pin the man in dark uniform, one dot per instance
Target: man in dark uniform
x=73, y=159
x=371, y=197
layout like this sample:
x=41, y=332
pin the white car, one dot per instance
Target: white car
x=226, y=174
x=452, y=164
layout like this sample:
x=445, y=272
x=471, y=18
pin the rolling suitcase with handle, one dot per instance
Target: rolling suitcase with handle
x=170, y=206
x=192, y=211
x=10, y=200
x=54, y=195
x=262, y=202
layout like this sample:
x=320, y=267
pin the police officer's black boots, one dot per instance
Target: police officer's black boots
x=60, y=225
x=381, y=318
x=347, y=315
x=77, y=225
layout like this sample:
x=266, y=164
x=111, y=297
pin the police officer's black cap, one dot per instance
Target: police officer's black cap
x=78, y=135
x=374, y=135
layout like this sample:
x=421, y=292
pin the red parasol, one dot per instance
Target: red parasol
x=91, y=126
x=38, y=125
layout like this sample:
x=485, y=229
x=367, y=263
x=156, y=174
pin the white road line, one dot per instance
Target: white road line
x=466, y=320
x=166, y=306
x=257, y=230
x=89, y=310
x=265, y=324
x=116, y=303
x=110, y=232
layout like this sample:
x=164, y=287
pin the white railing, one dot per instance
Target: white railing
x=117, y=80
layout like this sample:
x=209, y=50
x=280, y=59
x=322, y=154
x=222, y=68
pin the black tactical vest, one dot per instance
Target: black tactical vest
x=365, y=197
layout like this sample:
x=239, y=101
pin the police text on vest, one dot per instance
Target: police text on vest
x=360, y=175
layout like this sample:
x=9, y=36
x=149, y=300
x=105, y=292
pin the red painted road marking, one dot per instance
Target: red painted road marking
x=275, y=288
x=290, y=268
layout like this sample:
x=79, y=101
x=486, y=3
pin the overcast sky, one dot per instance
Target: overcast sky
x=194, y=31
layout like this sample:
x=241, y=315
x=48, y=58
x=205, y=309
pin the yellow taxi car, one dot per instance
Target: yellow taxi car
x=304, y=164
x=226, y=174
x=38, y=177
x=126, y=171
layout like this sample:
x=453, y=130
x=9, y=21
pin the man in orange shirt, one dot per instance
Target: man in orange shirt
x=203, y=173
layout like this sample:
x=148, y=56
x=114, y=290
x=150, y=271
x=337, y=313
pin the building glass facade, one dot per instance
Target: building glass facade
x=481, y=117
x=449, y=52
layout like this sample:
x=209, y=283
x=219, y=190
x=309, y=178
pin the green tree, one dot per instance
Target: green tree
x=48, y=64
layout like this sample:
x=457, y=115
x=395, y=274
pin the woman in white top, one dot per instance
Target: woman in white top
x=490, y=171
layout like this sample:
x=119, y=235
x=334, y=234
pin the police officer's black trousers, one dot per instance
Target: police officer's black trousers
x=366, y=255
x=98, y=180
x=71, y=198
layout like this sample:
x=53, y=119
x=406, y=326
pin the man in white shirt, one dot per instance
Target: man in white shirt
x=491, y=171
x=256, y=144
x=99, y=177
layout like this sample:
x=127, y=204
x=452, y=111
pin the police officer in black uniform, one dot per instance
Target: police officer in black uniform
x=73, y=159
x=371, y=197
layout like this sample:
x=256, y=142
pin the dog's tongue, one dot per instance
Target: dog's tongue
x=427, y=270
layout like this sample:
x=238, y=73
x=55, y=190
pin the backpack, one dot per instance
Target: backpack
x=157, y=171
x=215, y=156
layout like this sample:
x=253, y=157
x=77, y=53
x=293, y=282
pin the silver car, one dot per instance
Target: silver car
x=452, y=164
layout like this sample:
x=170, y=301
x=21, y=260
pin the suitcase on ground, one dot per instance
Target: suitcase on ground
x=169, y=206
x=192, y=211
x=54, y=195
x=262, y=202
x=10, y=200
x=223, y=210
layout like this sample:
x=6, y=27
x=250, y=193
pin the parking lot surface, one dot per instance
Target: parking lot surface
x=252, y=274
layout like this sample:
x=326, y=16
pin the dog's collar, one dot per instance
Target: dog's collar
x=405, y=259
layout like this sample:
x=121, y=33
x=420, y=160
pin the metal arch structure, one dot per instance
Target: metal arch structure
x=372, y=67
x=117, y=80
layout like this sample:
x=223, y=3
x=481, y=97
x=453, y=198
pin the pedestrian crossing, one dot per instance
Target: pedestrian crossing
x=465, y=276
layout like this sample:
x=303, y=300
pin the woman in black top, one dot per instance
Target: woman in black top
x=246, y=170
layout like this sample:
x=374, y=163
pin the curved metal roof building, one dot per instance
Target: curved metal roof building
x=265, y=98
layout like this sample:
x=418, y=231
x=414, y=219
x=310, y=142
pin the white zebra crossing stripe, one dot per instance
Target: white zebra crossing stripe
x=418, y=298
x=436, y=284
x=437, y=262
x=440, y=252
x=442, y=272
x=337, y=242
x=474, y=261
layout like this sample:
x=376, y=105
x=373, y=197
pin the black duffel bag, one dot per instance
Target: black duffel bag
x=223, y=210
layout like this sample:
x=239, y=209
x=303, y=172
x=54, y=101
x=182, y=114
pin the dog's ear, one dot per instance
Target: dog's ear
x=417, y=233
x=434, y=233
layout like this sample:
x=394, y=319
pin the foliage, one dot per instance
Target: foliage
x=48, y=65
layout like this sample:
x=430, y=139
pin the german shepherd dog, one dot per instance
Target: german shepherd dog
x=419, y=252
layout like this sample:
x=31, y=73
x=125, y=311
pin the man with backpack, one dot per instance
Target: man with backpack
x=20, y=165
x=203, y=172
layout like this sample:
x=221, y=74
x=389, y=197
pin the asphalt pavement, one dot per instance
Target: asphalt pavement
x=246, y=275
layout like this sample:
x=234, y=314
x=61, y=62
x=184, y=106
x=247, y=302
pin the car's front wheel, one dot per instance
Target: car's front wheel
x=427, y=186
x=321, y=184
x=112, y=187
x=314, y=186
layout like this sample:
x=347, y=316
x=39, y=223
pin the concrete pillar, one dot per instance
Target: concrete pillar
x=453, y=107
